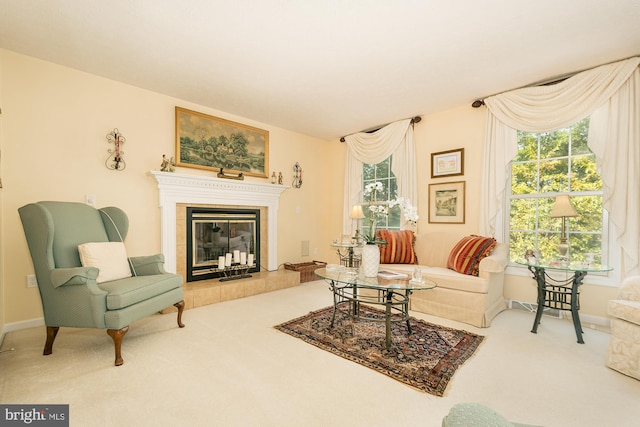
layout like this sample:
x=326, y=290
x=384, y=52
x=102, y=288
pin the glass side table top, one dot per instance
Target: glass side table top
x=346, y=245
x=353, y=277
x=572, y=266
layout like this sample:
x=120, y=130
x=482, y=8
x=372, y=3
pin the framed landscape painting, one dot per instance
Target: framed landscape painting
x=208, y=142
x=446, y=203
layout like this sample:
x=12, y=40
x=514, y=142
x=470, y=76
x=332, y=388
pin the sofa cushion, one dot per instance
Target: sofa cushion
x=468, y=252
x=108, y=257
x=399, y=247
x=444, y=277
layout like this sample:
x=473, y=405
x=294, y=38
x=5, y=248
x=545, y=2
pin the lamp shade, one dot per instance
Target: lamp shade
x=356, y=212
x=563, y=207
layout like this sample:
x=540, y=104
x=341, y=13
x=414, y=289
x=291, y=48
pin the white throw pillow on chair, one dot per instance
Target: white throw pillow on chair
x=108, y=257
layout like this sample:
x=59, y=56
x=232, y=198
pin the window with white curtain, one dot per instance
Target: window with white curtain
x=548, y=164
x=381, y=172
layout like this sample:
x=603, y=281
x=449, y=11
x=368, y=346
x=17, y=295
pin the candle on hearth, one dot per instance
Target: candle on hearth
x=221, y=260
x=236, y=256
x=250, y=259
x=227, y=260
x=243, y=258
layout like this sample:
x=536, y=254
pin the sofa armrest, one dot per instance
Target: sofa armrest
x=497, y=261
x=73, y=276
x=148, y=265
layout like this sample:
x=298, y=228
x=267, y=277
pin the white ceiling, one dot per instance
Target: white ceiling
x=325, y=68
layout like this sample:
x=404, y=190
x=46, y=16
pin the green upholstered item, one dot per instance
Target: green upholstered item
x=69, y=293
x=470, y=414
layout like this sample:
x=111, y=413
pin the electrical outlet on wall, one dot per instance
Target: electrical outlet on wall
x=31, y=281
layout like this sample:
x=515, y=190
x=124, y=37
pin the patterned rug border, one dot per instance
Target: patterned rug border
x=432, y=380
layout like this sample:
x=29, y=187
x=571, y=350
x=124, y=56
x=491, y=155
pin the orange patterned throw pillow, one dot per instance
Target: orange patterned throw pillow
x=399, y=247
x=466, y=255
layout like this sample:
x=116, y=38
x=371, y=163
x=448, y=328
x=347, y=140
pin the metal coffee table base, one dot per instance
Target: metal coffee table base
x=396, y=305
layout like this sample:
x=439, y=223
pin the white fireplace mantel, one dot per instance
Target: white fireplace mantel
x=177, y=188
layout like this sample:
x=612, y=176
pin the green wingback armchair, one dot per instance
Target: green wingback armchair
x=71, y=295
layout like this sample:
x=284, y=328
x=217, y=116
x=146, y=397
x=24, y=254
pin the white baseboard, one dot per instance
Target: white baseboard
x=587, y=320
x=590, y=321
x=18, y=326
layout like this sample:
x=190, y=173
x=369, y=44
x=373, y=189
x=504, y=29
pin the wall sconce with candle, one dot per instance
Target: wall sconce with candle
x=297, y=176
x=115, y=160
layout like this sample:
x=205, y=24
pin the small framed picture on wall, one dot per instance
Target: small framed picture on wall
x=446, y=203
x=447, y=163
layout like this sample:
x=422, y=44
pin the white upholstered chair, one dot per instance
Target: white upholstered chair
x=624, y=344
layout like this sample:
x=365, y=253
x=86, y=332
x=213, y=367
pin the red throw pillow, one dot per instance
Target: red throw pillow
x=466, y=255
x=399, y=247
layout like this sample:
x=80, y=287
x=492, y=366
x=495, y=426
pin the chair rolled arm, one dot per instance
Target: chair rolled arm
x=73, y=276
x=630, y=289
x=148, y=265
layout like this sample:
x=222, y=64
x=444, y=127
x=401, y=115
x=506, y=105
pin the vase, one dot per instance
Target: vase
x=370, y=260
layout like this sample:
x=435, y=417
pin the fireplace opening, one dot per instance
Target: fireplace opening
x=215, y=232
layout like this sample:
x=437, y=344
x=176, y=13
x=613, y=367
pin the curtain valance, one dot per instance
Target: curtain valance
x=611, y=95
x=395, y=139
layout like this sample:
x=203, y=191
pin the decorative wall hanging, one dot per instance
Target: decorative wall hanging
x=208, y=142
x=297, y=176
x=115, y=160
x=446, y=202
x=447, y=163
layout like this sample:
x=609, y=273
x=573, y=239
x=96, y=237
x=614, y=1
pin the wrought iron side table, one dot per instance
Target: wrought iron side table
x=561, y=294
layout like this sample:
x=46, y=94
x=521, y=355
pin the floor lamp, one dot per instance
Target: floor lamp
x=563, y=208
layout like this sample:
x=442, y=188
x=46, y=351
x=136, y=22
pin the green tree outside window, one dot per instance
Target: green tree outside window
x=547, y=164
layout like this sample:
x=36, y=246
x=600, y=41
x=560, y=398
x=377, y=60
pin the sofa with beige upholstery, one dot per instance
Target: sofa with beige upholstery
x=475, y=300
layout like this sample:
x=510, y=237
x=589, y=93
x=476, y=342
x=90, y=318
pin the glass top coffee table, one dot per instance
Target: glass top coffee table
x=347, y=286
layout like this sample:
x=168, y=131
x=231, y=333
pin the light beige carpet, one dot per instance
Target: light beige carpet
x=230, y=367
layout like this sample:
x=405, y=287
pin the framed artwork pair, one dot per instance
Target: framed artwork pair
x=447, y=199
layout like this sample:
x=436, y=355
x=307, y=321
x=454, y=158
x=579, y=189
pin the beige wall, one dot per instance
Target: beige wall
x=53, y=144
x=55, y=120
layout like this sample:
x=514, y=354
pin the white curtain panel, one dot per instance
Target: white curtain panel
x=610, y=94
x=393, y=139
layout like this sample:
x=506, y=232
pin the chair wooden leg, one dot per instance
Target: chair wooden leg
x=180, y=307
x=52, y=331
x=117, y=335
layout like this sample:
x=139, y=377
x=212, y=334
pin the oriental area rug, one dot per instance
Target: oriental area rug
x=425, y=360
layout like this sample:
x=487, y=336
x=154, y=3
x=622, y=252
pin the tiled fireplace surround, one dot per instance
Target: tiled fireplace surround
x=178, y=191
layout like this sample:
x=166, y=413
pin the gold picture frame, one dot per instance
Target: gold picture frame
x=447, y=163
x=447, y=203
x=213, y=143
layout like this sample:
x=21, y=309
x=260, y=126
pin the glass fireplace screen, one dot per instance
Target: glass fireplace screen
x=215, y=233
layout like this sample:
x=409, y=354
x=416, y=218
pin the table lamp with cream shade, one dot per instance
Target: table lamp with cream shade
x=563, y=208
x=357, y=214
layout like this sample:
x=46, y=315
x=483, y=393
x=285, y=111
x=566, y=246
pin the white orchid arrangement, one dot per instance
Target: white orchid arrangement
x=373, y=188
x=409, y=211
x=381, y=209
x=375, y=210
